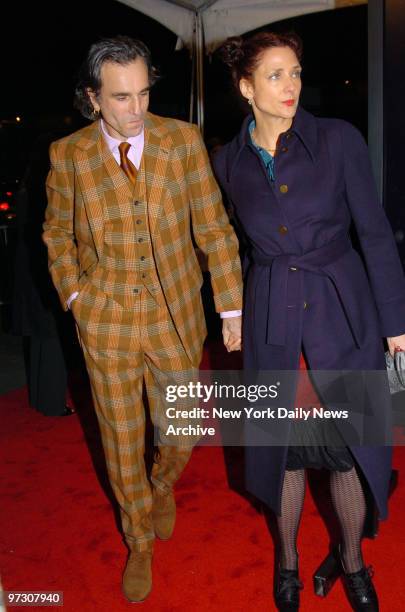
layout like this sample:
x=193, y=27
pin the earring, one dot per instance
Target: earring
x=250, y=101
x=96, y=113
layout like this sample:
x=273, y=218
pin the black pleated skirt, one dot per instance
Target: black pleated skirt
x=308, y=450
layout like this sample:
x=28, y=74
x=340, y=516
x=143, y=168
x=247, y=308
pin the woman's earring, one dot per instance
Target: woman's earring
x=250, y=101
x=96, y=113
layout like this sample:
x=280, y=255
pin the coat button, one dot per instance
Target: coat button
x=283, y=229
x=305, y=305
x=283, y=188
x=137, y=202
x=140, y=239
x=143, y=257
x=138, y=221
x=293, y=269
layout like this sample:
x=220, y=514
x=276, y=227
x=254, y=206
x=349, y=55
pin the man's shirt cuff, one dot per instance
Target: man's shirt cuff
x=230, y=313
x=71, y=298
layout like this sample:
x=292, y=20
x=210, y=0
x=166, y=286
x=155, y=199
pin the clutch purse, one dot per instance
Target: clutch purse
x=396, y=371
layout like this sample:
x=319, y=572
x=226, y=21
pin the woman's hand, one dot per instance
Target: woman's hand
x=396, y=343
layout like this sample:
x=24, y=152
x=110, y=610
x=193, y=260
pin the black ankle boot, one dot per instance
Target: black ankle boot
x=287, y=593
x=360, y=590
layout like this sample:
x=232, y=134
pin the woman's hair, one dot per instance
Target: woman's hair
x=121, y=50
x=242, y=55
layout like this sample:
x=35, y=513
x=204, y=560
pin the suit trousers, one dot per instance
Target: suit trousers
x=126, y=350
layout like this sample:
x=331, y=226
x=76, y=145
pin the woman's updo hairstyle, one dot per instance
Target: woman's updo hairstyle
x=242, y=55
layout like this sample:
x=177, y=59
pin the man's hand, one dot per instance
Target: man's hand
x=396, y=343
x=232, y=333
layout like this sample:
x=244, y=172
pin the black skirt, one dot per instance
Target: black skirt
x=311, y=453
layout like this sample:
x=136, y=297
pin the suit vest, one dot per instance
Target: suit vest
x=127, y=263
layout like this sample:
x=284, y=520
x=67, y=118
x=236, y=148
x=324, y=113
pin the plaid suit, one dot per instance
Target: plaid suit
x=129, y=253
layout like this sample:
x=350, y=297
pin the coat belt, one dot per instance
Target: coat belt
x=315, y=261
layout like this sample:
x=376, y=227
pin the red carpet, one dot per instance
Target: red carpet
x=58, y=528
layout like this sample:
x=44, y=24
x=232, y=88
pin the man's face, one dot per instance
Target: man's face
x=123, y=98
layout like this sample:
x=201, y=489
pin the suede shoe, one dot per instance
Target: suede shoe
x=163, y=513
x=137, y=578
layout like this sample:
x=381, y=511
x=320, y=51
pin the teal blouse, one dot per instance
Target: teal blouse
x=265, y=155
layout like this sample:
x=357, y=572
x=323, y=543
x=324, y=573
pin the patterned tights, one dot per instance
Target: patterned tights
x=349, y=504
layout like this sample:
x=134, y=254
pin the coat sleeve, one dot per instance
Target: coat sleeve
x=375, y=234
x=211, y=228
x=58, y=226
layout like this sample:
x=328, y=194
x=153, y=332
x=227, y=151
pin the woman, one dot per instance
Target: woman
x=296, y=182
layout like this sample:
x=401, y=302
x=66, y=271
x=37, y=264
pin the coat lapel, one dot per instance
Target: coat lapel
x=98, y=174
x=158, y=145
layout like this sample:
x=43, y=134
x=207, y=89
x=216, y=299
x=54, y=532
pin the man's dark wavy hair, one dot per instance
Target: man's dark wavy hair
x=121, y=50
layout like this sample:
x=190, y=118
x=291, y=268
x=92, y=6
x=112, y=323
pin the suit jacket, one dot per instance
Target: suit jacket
x=183, y=199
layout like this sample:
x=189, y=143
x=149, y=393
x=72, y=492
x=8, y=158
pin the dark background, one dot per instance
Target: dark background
x=43, y=44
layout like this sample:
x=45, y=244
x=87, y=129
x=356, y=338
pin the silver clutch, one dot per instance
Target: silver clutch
x=396, y=371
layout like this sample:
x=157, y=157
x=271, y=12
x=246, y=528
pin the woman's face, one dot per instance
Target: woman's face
x=275, y=86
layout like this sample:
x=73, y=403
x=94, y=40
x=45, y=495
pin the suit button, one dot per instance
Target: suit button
x=140, y=239
x=305, y=305
x=283, y=229
x=143, y=258
x=293, y=269
x=136, y=202
x=135, y=290
x=283, y=188
x=138, y=221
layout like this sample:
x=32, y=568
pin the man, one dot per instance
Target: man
x=123, y=194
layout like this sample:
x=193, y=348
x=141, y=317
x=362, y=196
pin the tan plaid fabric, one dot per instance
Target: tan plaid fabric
x=182, y=192
x=126, y=262
x=124, y=347
x=127, y=249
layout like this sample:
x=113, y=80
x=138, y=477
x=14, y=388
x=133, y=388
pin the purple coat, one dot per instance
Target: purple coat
x=305, y=285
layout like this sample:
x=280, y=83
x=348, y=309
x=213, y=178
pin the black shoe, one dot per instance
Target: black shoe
x=360, y=590
x=287, y=593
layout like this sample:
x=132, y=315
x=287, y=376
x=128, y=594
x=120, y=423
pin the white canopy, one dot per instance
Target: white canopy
x=223, y=18
x=207, y=23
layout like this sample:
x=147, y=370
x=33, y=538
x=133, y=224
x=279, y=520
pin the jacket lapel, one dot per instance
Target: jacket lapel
x=157, y=149
x=98, y=173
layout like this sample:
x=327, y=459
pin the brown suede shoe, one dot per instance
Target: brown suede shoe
x=163, y=513
x=137, y=578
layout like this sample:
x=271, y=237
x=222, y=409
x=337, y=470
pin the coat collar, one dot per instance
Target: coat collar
x=304, y=126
